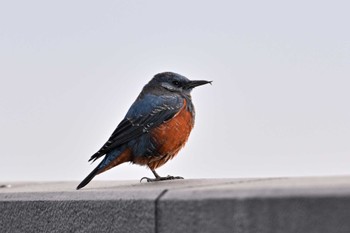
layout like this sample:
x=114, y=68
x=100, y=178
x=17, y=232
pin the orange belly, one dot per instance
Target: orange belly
x=171, y=136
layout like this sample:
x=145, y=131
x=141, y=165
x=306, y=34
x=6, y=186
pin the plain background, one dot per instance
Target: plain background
x=278, y=106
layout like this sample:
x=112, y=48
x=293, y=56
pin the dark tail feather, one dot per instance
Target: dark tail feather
x=89, y=177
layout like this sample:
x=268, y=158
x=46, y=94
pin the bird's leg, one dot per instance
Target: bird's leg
x=155, y=174
x=160, y=178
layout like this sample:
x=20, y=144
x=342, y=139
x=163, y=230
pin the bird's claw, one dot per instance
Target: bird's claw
x=161, y=178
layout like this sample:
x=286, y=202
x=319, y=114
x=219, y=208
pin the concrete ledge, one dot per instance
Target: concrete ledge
x=280, y=205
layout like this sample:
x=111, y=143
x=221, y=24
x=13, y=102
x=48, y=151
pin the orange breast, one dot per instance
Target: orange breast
x=171, y=136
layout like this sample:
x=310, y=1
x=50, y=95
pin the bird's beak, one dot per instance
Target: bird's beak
x=196, y=83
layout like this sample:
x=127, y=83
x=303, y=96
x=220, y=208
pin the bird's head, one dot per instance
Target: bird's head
x=173, y=82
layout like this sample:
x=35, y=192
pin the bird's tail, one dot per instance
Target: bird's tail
x=89, y=177
x=112, y=159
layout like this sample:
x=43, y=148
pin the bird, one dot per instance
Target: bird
x=155, y=128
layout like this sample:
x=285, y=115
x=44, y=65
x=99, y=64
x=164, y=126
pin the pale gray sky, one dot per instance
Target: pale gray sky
x=278, y=106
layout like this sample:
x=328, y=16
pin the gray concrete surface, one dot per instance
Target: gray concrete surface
x=283, y=205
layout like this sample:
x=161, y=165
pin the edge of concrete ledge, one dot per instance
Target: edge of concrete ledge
x=303, y=204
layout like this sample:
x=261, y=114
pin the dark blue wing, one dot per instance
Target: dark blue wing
x=145, y=114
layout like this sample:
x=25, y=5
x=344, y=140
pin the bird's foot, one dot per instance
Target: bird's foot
x=161, y=178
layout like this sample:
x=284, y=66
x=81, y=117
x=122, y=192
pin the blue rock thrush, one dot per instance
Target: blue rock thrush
x=154, y=129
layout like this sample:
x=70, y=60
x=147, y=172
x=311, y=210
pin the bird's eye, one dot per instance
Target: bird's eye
x=176, y=83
